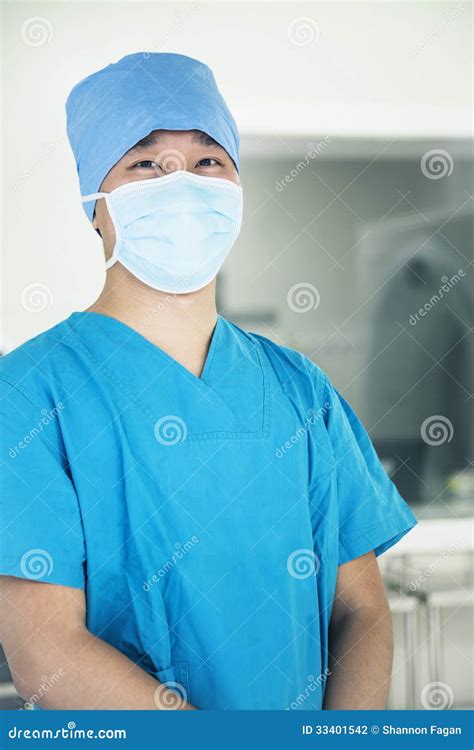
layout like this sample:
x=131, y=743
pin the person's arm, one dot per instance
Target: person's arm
x=43, y=632
x=360, y=639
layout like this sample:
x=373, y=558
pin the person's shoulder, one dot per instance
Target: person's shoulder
x=31, y=367
x=287, y=363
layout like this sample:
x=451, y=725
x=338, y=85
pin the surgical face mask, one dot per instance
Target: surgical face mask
x=174, y=232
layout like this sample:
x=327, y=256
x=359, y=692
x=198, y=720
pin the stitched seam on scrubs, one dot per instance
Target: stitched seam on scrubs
x=15, y=560
x=103, y=368
x=20, y=390
x=386, y=523
x=65, y=457
x=349, y=548
x=216, y=336
x=63, y=574
x=245, y=436
x=135, y=401
x=321, y=389
x=16, y=387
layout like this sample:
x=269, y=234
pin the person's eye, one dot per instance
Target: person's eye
x=146, y=164
x=207, y=162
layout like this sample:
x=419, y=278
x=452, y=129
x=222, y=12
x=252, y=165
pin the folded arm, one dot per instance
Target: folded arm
x=43, y=632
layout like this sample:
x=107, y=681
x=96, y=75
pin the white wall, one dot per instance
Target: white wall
x=387, y=70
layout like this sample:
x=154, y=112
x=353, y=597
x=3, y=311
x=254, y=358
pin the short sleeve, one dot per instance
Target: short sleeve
x=372, y=514
x=40, y=523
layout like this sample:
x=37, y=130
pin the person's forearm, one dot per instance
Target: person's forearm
x=91, y=675
x=360, y=660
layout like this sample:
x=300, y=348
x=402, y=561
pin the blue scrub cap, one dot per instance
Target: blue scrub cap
x=111, y=110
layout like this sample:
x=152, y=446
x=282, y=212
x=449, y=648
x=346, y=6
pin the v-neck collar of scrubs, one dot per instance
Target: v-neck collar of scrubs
x=132, y=333
x=229, y=399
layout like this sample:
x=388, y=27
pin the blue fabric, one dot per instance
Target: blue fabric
x=112, y=109
x=205, y=518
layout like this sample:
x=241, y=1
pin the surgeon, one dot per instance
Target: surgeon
x=190, y=513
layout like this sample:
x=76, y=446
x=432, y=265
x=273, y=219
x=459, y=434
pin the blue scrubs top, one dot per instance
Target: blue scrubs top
x=205, y=518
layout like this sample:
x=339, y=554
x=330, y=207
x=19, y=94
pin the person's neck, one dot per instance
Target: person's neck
x=179, y=324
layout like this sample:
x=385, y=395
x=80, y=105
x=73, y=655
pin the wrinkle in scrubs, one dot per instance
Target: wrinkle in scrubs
x=205, y=518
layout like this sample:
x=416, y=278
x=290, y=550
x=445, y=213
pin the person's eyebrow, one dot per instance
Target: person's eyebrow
x=204, y=139
x=149, y=141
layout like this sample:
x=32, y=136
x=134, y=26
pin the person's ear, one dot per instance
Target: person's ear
x=96, y=227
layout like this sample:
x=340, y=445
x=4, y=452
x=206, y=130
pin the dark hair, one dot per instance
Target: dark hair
x=151, y=140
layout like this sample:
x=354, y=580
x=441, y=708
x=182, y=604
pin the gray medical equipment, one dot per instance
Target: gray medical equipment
x=417, y=275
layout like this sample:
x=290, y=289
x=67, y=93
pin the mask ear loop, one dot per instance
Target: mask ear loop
x=94, y=197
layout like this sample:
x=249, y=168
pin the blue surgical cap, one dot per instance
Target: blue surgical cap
x=111, y=110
